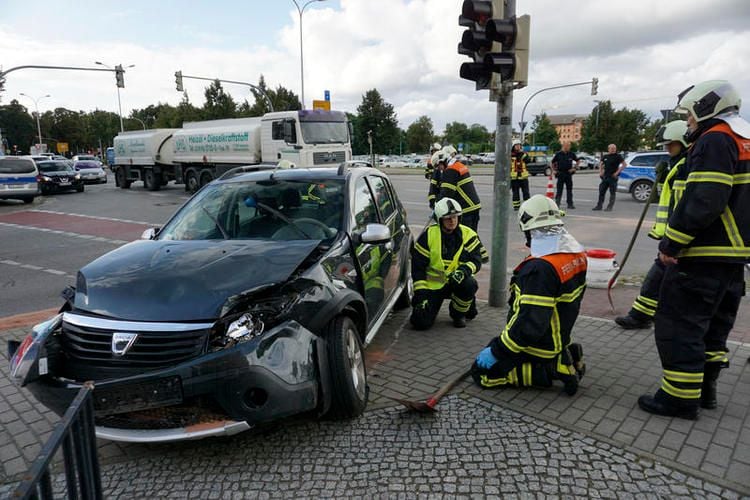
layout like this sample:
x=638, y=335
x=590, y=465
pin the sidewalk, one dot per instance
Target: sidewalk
x=480, y=442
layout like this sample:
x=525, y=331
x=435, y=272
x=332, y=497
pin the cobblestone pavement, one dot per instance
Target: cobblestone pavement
x=529, y=442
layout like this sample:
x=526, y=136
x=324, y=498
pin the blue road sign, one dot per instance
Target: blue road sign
x=327, y=95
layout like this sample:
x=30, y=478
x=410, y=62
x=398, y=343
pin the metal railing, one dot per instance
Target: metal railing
x=78, y=439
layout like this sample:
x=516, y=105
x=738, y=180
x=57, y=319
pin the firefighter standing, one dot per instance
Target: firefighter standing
x=458, y=184
x=705, y=244
x=430, y=165
x=672, y=135
x=444, y=261
x=545, y=296
x=519, y=175
x=438, y=162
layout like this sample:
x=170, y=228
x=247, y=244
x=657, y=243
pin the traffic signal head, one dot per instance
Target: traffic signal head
x=178, y=80
x=594, y=86
x=120, y=76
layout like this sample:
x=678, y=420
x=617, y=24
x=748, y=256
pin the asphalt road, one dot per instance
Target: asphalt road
x=43, y=245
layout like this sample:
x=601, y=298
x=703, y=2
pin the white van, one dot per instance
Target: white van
x=18, y=178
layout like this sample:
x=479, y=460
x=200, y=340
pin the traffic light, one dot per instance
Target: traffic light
x=499, y=46
x=120, y=76
x=594, y=86
x=178, y=80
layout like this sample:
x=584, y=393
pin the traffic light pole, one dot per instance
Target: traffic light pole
x=254, y=87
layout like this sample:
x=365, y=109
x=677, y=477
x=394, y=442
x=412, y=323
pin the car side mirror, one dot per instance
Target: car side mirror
x=375, y=234
x=150, y=233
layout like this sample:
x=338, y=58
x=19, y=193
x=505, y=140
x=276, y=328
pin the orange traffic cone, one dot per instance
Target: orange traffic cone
x=550, y=189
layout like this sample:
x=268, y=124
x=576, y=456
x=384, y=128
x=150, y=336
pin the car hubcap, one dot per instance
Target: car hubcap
x=642, y=192
x=356, y=363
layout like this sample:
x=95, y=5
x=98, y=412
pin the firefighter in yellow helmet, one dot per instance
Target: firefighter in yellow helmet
x=534, y=348
x=672, y=136
x=705, y=246
x=444, y=261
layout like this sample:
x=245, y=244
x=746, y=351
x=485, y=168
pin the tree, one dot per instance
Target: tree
x=597, y=128
x=376, y=115
x=17, y=125
x=419, y=135
x=456, y=133
x=282, y=98
x=544, y=132
x=648, y=138
x=218, y=103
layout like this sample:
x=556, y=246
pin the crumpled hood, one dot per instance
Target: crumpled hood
x=183, y=280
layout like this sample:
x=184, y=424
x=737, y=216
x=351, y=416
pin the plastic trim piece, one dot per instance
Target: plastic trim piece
x=199, y=431
x=142, y=326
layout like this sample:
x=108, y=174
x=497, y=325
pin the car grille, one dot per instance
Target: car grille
x=334, y=157
x=88, y=341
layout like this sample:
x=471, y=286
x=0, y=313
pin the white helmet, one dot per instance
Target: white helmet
x=672, y=131
x=438, y=157
x=708, y=99
x=449, y=151
x=538, y=211
x=436, y=147
x=446, y=207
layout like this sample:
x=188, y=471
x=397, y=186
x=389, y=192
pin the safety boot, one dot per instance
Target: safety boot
x=472, y=312
x=708, y=390
x=459, y=322
x=598, y=207
x=576, y=352
x=630, y=322
x=659, y=404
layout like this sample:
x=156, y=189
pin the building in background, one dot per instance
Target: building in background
x=568, y=127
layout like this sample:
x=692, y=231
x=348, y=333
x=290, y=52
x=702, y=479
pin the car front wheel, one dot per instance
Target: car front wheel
x=347, y=366
x=641, y=191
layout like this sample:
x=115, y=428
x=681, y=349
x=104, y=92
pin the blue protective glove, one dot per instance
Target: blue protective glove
x=485, y=358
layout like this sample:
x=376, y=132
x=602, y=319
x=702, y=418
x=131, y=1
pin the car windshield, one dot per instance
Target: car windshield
x=267, y=209
x=10, y=165
x=87, y=164
x=55, y=166
x=87, y=157
x=324, y=132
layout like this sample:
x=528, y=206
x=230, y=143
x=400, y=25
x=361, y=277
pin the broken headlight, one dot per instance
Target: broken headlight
x=245, y=327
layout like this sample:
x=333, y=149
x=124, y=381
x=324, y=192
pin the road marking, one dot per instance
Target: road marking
x=94, y=217
x=65, y=233
x=32, y=267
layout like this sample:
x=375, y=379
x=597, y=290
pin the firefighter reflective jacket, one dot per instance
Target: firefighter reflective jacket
x=666, y=198
x=458, y=184
x=518, y=169
x=545, y=297
x=711, y=221
x=436, y=255
x=437, y=175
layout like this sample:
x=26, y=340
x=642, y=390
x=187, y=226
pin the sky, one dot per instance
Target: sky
x=644, y=52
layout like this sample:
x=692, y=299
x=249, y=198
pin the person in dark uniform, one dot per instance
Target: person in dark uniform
x=547, y=288
x=458, y=184
x=519, y=175
x=672, y=136
x=428, y=169
x=705, y=247
x=564, y=165
x=444, y=260
x=609, y=171
x=438, y=162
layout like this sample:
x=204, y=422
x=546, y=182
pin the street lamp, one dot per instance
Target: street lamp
x=301, y=58
x=119, y=104
x=139, y=121
x=36, y=106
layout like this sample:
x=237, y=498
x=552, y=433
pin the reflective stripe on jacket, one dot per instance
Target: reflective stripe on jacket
x=431, y=267
x=666, y=200
x=457, y=183
x=518, y=167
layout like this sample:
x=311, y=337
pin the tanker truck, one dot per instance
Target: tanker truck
x=199, y=152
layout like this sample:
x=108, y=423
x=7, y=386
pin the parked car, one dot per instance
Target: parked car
x=587, y=161
x=91, y=171
x=86, y=157
x=638, y=177
x=251, y=304
x=58, y=175
x=540, y=164
x=18, y=178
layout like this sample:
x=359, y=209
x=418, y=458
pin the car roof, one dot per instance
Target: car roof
x=312, y=174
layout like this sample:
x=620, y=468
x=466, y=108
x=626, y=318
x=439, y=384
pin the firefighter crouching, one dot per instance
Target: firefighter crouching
x=444, y=260
x=546, y=290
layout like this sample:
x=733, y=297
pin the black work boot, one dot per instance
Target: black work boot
x=609, y=208
x=659, y=404
x=598, y=207
x=472, y=313
x=708, y=390
x=576, y=352
x=459, y=322
x=631, y=322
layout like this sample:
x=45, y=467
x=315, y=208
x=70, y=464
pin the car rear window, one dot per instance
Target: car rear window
x=647, y=160
x=87, y=164
x=54, y=166
x=16, y=166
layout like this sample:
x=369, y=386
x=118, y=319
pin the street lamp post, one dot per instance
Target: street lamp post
x=301, y=57
x=36, y=107
x=139, y=121
x=119, y=103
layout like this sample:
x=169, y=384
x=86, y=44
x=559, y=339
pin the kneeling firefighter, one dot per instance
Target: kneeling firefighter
x=546, y=290
x=444, y=260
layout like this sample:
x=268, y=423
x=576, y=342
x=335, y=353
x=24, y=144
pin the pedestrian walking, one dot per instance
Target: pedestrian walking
x=610, y=167
x=519, y=175
x=705, y=246
x=546, y=291
x=564, y=165
x=644, y=307
x=444, y=260
x=458, y=184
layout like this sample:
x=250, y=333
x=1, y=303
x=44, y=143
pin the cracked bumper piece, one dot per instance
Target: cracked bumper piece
x=199, y=431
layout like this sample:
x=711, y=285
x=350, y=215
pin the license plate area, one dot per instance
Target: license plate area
x=138, y=396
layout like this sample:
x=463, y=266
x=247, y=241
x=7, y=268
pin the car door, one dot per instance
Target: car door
x=391, y=216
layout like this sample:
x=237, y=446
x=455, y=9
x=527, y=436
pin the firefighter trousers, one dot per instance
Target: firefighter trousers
x=698, y=305
x=426, y=303
x=518, y=187
x=644, y=305
x=523, y=370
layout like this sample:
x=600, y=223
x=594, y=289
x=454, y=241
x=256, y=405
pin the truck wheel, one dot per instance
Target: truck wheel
x=191, y=181
x=151, y=180
x=347, y=366
x=206, y=177
x=641, y=190
x=121, y=180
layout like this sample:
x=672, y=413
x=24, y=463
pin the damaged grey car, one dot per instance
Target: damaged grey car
x=253, y=303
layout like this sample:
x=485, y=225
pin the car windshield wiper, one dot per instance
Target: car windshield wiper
x=284, y=218
x=216, y=221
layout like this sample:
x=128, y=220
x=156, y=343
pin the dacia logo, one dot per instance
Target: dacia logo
x=122, y=342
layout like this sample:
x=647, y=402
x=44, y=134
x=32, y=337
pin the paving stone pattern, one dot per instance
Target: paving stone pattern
x=470, y=447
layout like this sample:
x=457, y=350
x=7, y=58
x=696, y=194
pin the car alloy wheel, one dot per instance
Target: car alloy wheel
x=356, y=362
x=641, y=191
